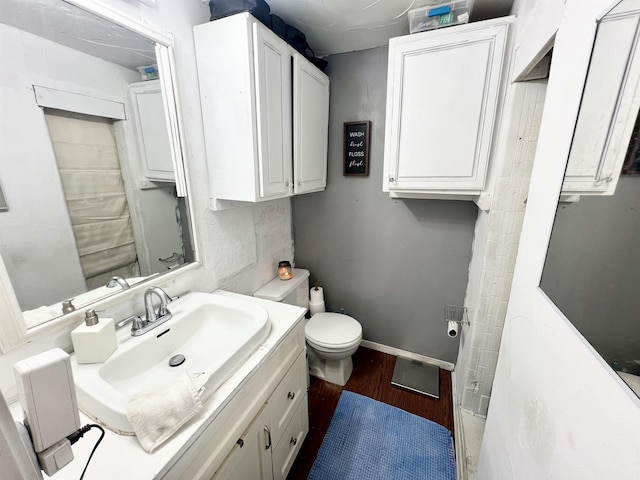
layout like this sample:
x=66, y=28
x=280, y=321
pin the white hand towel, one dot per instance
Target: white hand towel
x=155, y=416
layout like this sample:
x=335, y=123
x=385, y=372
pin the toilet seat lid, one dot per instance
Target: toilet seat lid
x=333, y=329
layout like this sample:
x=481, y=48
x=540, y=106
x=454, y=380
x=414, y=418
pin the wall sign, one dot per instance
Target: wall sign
x=356, y=148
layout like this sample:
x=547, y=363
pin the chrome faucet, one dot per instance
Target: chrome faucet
x=118, y=281
x=153, y=317
x=151, y=314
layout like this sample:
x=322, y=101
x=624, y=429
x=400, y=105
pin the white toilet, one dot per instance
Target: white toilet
x=332, y=337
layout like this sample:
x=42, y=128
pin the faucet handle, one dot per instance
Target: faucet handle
x=68, y=306
x=163, y=310
x=137, y=323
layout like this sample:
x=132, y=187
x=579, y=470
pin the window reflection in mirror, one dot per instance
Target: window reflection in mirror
x=85, y=167
x=592, y=270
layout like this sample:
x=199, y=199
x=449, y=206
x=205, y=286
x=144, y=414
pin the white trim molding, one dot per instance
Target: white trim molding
x=78, y=103
x=458, y=429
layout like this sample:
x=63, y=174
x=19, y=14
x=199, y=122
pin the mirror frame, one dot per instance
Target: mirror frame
x=582, y=29
x=13, y=330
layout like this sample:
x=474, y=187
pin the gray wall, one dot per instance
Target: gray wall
x=392, y=264
x=592, y=271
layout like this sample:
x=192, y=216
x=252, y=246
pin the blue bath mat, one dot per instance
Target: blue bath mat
x=370, y=440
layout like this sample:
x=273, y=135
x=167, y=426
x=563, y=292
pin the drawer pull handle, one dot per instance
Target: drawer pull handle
x=268, y=432
x=240, y=442
x=293, y=440
x=291, y=395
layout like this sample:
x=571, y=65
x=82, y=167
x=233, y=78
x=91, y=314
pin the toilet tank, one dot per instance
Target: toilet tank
x=294, y=291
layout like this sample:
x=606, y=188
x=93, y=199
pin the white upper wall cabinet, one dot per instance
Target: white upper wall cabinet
x=273, y=111
x=443, y=90
x=153, y=135
x=265, y=124
x=310, y=126
x=608, y=109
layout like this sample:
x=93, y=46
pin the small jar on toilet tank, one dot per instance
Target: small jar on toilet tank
x=284, y=270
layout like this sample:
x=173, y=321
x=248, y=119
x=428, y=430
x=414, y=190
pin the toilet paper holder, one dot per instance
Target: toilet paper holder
x=458, y=314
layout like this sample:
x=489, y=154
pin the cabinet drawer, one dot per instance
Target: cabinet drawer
x=287, y=449
x=286, y=397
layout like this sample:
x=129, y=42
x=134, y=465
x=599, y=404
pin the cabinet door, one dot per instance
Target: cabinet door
x=153, y=136
x=442, y=97
x=273, y=112
x=608, y=109
x=310, y=126
x=251, y=457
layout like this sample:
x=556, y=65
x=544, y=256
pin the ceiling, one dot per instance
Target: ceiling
x=73, y=27
x=338, y=26
x=331, y=26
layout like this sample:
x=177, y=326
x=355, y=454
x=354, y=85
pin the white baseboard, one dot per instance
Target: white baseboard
x=458, y=441
x=410, y=355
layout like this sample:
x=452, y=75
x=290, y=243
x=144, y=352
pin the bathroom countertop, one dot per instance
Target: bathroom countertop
x=122, y=457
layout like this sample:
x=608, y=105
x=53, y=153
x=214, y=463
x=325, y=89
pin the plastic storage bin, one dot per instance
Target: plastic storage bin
x=439, y=15
x=150, y=72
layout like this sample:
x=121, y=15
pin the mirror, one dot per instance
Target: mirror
x=90, y=172
x=592, y=269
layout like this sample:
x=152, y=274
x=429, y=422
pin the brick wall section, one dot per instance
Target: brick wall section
x=496, y=243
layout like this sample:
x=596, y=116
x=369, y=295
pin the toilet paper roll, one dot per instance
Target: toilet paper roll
x=316, y=296
x=316, y=307
x=452, y=328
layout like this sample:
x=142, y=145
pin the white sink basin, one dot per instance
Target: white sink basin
x=216, y=334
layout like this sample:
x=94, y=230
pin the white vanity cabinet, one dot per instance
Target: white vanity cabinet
x=267, y=449
x=443, y=91
x=151, y=126
x=264, y=110
x=259, y=432
x=608, y=109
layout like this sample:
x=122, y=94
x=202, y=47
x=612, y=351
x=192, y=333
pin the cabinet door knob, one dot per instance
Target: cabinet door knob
x=392, y=180
x=293, y=440
x=240, y=442
x=286, y=183
x=291, y=395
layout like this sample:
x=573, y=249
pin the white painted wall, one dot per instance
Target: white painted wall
x=37, y=243
x=557, y=411
x=239, y=248
x=537, y=22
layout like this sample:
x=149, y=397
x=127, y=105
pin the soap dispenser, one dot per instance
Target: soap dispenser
x=95, y=340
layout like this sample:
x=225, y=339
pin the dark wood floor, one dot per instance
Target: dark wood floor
x=372, y=372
